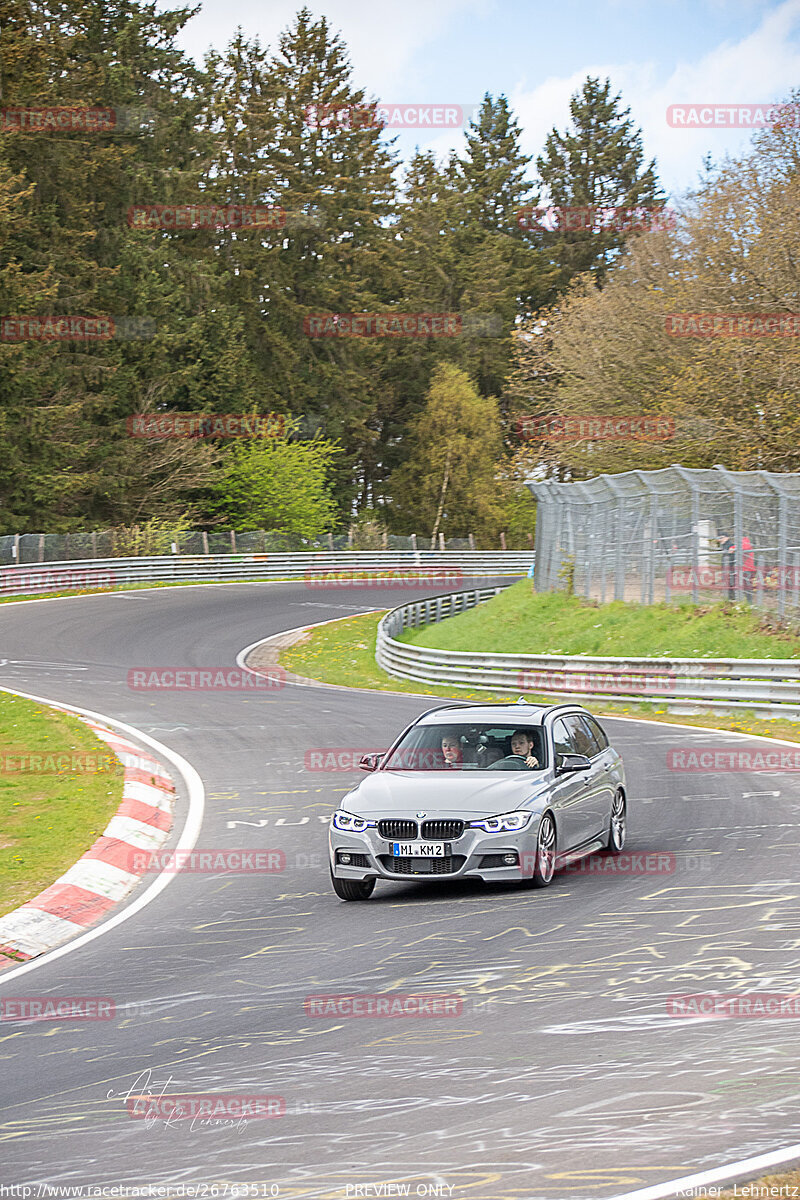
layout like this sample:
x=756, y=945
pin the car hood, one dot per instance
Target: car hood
x=407, y=792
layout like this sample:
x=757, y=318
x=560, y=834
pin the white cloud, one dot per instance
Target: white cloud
x=759, y=68
x=381, y=40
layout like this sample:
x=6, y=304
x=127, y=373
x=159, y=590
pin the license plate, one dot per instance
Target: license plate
x=420, y=849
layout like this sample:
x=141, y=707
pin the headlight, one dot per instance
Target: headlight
x=507, y=822
x=349, y=823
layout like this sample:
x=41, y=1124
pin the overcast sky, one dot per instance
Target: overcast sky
x=656, y=52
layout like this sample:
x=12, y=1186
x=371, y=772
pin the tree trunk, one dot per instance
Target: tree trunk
x=445, y=482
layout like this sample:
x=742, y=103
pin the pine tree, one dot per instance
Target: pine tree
x=598, y=162
x=73, y=461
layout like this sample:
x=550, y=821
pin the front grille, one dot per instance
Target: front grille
x=423, y=866
x=442, y=829
x=397, y=829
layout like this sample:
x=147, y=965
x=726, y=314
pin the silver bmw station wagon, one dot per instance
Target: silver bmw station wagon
x=488, y=791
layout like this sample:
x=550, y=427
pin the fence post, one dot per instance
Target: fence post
x=94, y=544
x=330, y=541
x=233, y=541
x=738, y=556
x=502, y=541
x=205, y=542
x=472, y=541
x=15, y=548
x=759, y=561
x=41, y=547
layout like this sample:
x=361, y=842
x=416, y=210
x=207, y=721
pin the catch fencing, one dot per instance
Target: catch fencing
x=702, y=535
x=767, y=687
x=16, y=548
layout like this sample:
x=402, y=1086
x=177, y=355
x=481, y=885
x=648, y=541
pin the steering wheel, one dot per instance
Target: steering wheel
x=521, y=758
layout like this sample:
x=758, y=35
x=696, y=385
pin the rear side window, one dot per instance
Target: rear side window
x=596, y=732
x=580, y=735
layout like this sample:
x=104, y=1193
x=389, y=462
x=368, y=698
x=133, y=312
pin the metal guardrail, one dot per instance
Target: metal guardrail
x=769, y=687
x=438, y=569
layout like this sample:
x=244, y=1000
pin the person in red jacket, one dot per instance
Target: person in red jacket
x=746, y=566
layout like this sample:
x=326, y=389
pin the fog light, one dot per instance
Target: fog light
x=344, y=859
x=510, y=860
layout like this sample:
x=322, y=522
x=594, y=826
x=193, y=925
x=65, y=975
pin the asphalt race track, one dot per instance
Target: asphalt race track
x=564, y=1076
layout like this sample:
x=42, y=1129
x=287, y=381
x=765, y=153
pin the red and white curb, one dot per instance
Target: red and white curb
x=109, y=869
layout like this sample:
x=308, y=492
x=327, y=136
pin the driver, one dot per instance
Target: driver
x=522, y=744
x=451, y=749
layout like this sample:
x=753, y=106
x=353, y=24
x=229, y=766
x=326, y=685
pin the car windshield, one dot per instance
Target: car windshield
x=469, y=748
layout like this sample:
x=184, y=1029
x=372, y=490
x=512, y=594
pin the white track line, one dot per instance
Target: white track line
x=745, y=1166
x=186, y=841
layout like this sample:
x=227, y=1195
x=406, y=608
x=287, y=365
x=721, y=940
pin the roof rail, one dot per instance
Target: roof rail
x=484, y=704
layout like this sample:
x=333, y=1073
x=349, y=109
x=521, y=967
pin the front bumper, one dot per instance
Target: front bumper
x=475, y=854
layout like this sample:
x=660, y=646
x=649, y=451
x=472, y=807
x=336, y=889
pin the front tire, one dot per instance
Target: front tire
x=618, y=825
x=353, y=889
x=544, y=867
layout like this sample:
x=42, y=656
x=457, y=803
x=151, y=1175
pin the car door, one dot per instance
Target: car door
x=570, y=794
x=603, y=762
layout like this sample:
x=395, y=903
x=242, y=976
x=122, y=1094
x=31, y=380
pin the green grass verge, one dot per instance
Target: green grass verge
x=766, y=1187
x=343, y=652
x=521, y=622
x=49, y=817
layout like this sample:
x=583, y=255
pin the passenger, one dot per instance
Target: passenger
x=522, y=744
x=451, y=749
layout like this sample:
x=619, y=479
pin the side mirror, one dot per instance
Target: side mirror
x=569, y=763
x=371, y=762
